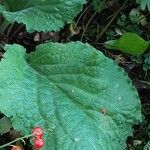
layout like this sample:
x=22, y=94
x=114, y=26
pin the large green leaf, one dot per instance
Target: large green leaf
x=83, y=98
x=41, y=15
x=129, y=43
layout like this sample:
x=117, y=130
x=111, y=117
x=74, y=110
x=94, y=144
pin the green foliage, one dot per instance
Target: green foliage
x=83, y=98
x=41, y=15
x=5, y=125
x=136, y=17
x=129, y=43
x=144, y=4
x=126, y=23
x=99, y=5
x=147, y=146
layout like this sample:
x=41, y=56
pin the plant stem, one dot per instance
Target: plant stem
x=81, y=16
x=88, y=24
x=16, y=140
x=4, y=25
x=90, y=21
x=113, y=18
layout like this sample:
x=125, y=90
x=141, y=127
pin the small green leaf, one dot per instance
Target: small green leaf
x=41, y=15
x=137, y=17
x=129, y=43
x=5, y=125
x=81, y=99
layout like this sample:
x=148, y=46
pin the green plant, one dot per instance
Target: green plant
x=137, y=17
x=5, y=125
x=99, y=5
x=41, y=15
x=81, y=98
x=67, y=86
x=129, y=43
x=129, y=23
x=144, y=4
x=147, y=146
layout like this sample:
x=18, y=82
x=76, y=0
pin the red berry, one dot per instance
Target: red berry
x=16, y=147
x=38, y=143
x=38, y=132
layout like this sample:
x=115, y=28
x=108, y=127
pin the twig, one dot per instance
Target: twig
x=88, y=24
x=16, y=140
x=113, y=18
x=81, y=16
